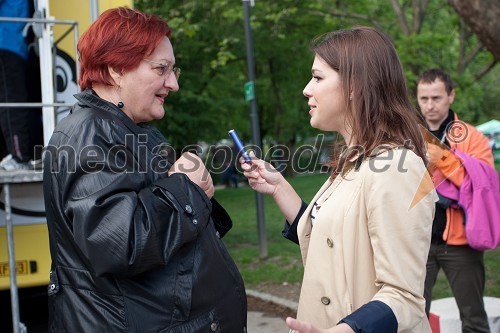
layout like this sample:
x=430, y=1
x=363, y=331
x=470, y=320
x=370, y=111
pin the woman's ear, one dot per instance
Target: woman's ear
x=115, y=75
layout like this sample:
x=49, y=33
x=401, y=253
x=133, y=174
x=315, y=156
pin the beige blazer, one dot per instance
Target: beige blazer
x=369, y=241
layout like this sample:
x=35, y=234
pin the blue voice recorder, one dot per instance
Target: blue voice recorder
x=239, y=145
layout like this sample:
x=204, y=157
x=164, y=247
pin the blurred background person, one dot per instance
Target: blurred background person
x=450, y=250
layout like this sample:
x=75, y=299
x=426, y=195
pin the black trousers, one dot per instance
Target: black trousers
x=18, y=125
x=464, y=269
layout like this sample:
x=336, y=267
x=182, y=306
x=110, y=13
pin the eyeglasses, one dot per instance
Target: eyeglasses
x=165, y=69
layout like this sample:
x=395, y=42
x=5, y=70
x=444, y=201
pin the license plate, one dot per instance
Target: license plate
x=21, y=268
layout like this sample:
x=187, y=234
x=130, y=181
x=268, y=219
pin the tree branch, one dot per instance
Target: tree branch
x=482, y=72
x=349, y=16
x=401, y=17
x=419, y=9
x=467, y=59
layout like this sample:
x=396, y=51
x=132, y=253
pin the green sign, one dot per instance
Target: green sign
x=249, y=91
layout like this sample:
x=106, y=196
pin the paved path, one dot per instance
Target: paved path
x=260, y=323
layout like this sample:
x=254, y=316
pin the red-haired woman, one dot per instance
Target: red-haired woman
x=365, y=236
x=135, y=241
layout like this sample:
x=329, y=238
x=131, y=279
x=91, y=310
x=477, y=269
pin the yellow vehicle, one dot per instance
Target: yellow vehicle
x=57, y=25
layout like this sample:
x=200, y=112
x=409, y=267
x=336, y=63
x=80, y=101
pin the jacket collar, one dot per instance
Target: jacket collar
x=89, y=98
x=440, y=133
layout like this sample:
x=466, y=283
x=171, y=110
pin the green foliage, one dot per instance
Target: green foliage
x=284, y=262
x=206, y=39
x=209, y=44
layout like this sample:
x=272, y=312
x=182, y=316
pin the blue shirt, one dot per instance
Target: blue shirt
x=11, y=33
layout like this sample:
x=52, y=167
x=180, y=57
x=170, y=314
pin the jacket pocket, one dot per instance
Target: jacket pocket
x=207, y=322
x=76, y=305
x=53, y=287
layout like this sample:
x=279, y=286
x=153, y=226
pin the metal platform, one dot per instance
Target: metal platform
x=7, y=178
x=21, y=176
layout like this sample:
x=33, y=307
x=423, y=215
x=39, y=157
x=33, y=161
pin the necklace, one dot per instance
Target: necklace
x=328, y=192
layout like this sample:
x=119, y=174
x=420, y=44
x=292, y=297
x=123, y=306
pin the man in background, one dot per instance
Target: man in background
x=450, y=250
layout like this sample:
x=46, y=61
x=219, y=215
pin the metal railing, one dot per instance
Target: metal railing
x=42, y=29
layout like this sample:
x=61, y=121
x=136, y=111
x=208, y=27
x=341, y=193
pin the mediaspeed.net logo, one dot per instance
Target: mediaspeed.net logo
x=456, y=132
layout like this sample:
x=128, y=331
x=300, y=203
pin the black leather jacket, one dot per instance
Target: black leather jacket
x=133, y=250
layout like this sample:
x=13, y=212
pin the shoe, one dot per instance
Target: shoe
x=36, y=164
x=8, y=163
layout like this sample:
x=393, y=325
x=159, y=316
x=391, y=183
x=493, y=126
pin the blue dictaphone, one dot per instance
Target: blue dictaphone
x=239, y=145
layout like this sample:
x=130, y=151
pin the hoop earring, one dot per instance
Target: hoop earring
x=120, y=104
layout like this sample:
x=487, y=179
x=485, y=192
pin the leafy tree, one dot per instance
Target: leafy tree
x=209, y=44
x=210, y=100
x=482, y=18
x=429, y=33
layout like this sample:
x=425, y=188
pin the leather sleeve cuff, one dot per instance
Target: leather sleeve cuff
x=187, y=198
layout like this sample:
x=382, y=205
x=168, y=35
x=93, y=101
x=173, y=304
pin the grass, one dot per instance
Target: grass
x=284, y=263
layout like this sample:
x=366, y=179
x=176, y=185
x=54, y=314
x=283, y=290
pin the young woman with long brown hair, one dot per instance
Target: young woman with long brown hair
x=365, y=236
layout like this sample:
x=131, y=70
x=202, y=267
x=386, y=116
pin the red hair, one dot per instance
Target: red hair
x=120, y=38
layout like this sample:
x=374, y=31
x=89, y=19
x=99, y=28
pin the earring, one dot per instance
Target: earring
x=120, y=103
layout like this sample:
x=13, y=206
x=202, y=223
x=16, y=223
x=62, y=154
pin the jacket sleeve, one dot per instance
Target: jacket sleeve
x=475, y=145
x=121, y=224
x=400, y=232
x=222, y=220
x=290, y=229
x=372, y=317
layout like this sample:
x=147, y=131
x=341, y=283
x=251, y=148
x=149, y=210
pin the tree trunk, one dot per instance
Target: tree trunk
x=482, y=16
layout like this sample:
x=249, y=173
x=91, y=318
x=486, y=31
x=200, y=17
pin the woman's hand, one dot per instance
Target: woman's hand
x=262, y=176
x=192, y=166
x=298, y=326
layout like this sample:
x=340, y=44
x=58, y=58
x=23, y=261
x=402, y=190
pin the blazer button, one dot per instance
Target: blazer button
x=325, y=300
x=195, y=221
x=329, y=242
x=188, y=209
x=213, y=327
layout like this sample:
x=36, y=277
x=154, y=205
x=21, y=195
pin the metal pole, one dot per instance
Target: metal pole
x=44, y=35
x=14, y=301
x=254, y=117
x=94, y=10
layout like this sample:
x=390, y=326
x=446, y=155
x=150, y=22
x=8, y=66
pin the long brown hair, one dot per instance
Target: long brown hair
x=380, y=112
